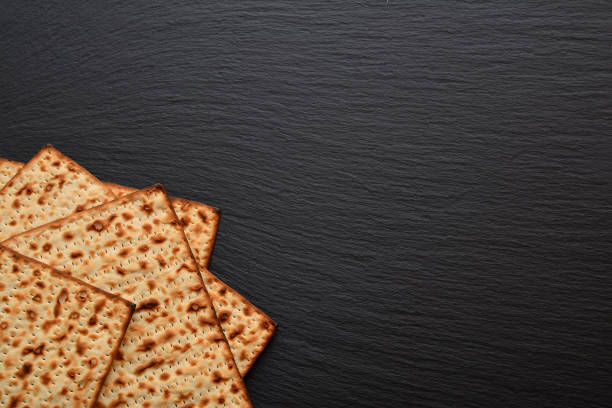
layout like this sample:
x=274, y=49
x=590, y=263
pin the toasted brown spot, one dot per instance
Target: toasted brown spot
x=16, y=203
x=204, y=321
x=164, y=376
x=247, y=310
x=60, y=336
x=215, y=338
x=47, y=247
x=143, y=264
x=98, y=226
x=143, y=248
x=92, y=362
x=160, y=259
x=72, y=373
x=124, y=252
x=68, y=235
x=121, y=271
x=99, y=305
x=155, y=362
x=46, y=325
x=92, y=320
x=26, y=188
x=15, y=400
x=158, y=239
x=184, y=396
x=110, y=242
x=146, y=207
x=147, y=304
x=234, y=389
x=237, y=331
x=221, y=400
x=147, y=227
x=63, y=296
x=168, y=334
x=203, y=217
x=31, y=314
x=151, y=284
x=82, y=296
x=217, y=377
x=127, y=216
x=55, y=163
x=79, y=208
x=222, y=291
x=194, y=306
x=76, y=254
x=45, y=378
x=224, y=316
x=34, y=350
x=61, y=178
x=80, y=347
x=185, y=220
x=74, y=315
x=24, y=371
x=185, y=266
x=146, y=345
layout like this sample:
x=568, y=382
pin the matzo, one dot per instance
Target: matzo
x=48, y=187
x=247, y=328
x=8, y=169
x=59, y=335
x=174, y=352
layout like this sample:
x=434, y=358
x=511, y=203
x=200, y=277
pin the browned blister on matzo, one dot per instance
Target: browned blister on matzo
x=48, y=187
x=8, y=169
x=247, y=328
x=174, y=352
x=58, y=335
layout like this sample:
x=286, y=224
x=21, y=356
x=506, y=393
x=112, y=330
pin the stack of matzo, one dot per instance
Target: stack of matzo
x=192, y=336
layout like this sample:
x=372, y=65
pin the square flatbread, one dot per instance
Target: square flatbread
x=247, y=328
x=59, y=335
x=174, y=352
x=48, y=187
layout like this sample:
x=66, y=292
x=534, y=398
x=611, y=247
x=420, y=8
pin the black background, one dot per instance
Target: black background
x=419, y=192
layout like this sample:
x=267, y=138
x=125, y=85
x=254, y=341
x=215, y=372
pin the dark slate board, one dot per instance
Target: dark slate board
x=419, y=192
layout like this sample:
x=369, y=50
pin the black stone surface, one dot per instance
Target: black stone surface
x=418, y=192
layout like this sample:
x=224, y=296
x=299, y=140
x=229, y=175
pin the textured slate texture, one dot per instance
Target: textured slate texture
x=418, y=192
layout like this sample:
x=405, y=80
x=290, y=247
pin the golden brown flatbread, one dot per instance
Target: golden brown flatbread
x=174, y=352
x=59, y=335
x=247, y=328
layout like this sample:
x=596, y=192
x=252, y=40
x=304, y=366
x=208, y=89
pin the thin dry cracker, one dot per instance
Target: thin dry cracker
x=59, y=335
x=174, y=352
x=247, y=328
x=48, y=187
